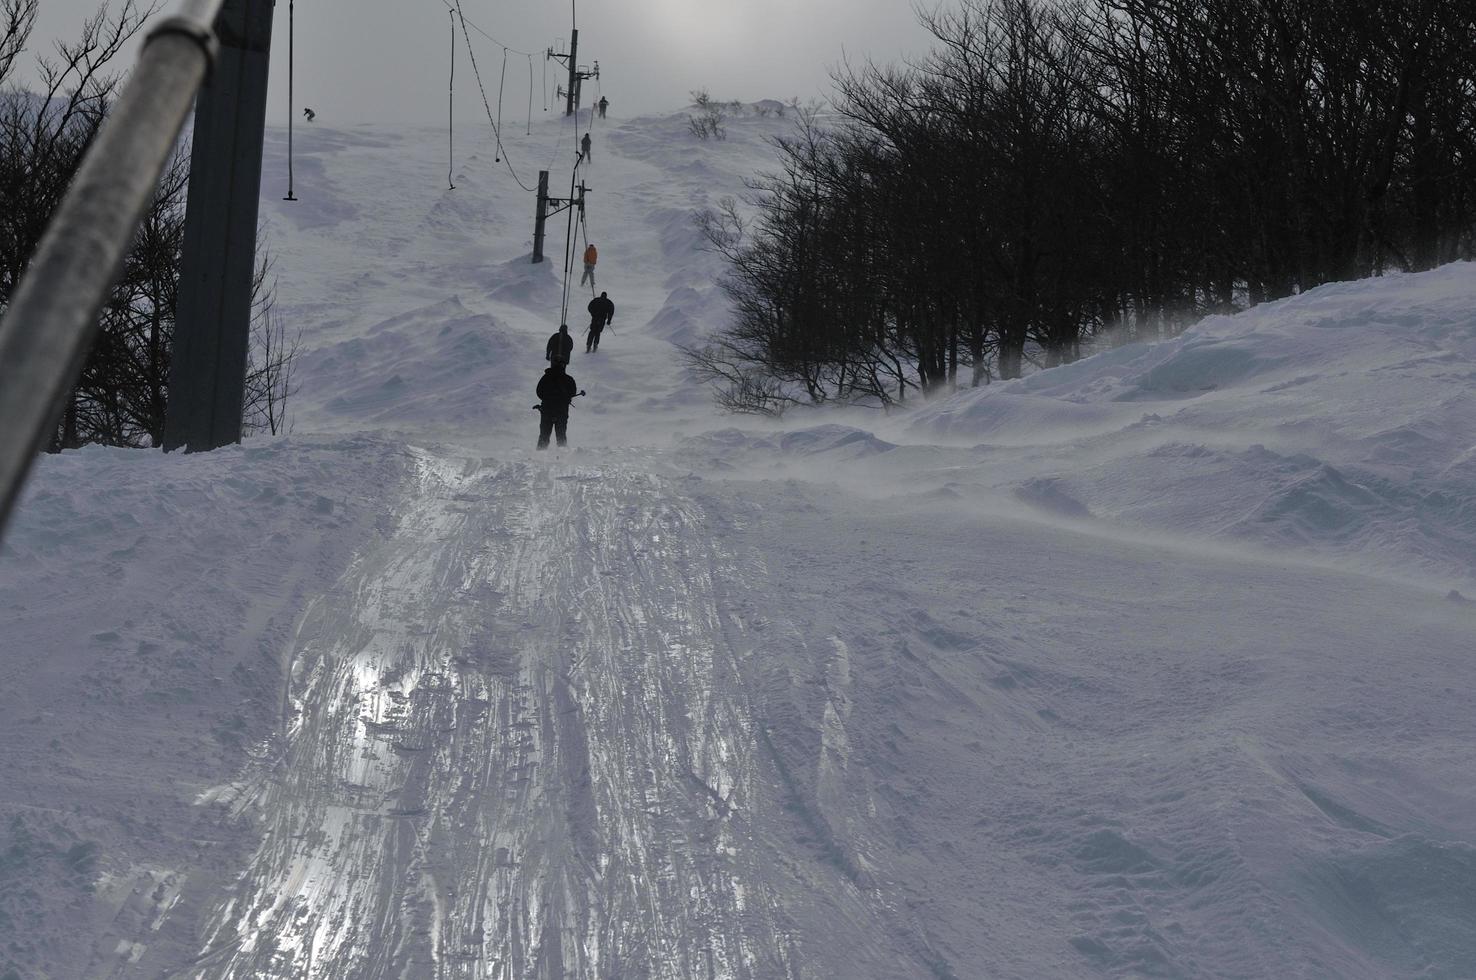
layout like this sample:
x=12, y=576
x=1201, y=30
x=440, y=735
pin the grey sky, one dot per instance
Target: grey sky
x=386, y=60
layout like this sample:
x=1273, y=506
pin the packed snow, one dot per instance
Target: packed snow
x=1156, y=664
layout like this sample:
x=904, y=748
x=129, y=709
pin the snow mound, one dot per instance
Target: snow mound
x=833, y=440
x=440, y=364
x=688, y=315
x=1401, y=902
x=1337, y=422
x=521, y=283
x=835, y=443
x=152, y=600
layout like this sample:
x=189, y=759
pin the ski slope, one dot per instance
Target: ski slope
x=1157, y=664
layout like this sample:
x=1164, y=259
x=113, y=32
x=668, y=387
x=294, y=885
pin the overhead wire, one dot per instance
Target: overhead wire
x=569, y=249
x=594, y=113
x=457, y=10
x=456, y=13
x=569, y=241
x=559, y=144
x=486, y=104
x=454, y=8
x=584, y=233
x=501, y=84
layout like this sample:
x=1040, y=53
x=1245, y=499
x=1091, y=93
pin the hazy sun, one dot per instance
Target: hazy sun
x=701, y=23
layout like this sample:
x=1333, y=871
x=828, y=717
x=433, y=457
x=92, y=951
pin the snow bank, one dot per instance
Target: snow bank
x=1338, y=422
x=148, y=605
x=440, y=365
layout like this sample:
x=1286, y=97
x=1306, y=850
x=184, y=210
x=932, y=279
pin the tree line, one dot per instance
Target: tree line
x=122, y=396
x=1055, y=172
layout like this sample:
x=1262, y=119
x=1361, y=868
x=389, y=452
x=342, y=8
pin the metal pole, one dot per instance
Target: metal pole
x=573, y=70
x=291, y=105
x=542, y=216
x=207, y=373
x=53, y=314
x=451, y=109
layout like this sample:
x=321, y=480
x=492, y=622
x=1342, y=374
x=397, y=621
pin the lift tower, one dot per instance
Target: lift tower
x=549, y=206
x=207, y=376
x=571, y=91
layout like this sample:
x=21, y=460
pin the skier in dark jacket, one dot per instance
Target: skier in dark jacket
x=560, y=346
x=584, y=145
x=601, y=312
x=556, y=389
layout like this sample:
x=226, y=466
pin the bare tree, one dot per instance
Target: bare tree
x=17, y=21
x=1057, y=170
x=122, y=394
x=272, y=358
x=43, y=135
x=708, y=122
x=44, y=132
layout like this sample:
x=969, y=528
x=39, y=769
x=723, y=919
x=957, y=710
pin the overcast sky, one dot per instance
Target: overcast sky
x=386, y=60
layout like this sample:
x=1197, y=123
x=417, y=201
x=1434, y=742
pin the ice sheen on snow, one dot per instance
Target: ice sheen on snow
x=1156, y=664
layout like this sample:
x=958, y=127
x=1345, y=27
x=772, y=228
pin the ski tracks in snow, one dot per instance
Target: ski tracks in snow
x=519, y=747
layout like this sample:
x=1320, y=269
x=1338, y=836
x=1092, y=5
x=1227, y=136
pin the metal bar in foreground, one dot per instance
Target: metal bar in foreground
x=53, y=314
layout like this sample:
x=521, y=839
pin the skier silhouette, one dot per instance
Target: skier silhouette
x=556, y=389
x=601, y=312
x=560, y=346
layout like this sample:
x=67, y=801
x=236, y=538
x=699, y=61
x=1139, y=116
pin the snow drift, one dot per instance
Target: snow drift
x=1155, y=664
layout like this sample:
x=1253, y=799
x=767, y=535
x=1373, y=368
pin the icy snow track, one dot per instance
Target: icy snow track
x=513, y=751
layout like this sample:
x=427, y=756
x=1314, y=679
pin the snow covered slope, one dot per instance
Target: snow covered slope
x=1157, y=664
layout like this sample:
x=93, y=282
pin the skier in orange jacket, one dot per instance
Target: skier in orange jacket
x=590, y=258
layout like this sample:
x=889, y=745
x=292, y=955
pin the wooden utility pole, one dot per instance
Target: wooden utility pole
x=542, y=217
x=207, y=378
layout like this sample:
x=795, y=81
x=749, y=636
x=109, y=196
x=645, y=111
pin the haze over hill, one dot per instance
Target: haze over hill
x=651, y=52
x=1154, y=664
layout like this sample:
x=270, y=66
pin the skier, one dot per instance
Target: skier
x=560, y=346
x=556, y=389
x=584, y=147
x=604, y=104
x=591, y=256
x=601, y=312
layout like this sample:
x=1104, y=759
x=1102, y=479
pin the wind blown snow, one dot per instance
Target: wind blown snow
x=1156, y=664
